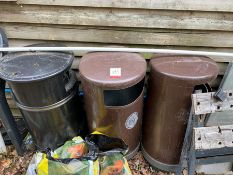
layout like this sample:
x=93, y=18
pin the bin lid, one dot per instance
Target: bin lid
x=192, y=69
x=114, y=70
x=32, y=66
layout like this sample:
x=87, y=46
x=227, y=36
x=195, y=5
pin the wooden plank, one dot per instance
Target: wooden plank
x=204, y=103
x=198, y=5
x=116, y=17
x=11, y=103
x=119, y=35
x=213, y=137
x=223, y=60
x=16, y=113
x=8, y=95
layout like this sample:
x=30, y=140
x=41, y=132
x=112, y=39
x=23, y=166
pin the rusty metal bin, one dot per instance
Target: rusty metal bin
x=171, y=83
x=113, y=94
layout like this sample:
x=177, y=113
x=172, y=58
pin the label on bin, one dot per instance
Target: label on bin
x=115, y=72
x=131, y=120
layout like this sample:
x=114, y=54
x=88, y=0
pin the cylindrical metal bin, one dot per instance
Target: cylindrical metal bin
x=45, y=90
x=113, y=94
x=172, y=81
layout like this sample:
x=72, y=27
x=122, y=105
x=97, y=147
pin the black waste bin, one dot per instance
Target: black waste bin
x=45, y=90
x=172, y=81
x=113, y=94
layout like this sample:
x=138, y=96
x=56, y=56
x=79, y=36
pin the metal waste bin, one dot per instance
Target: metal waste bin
x=113, y=94
x=45, y=90
x=172, y=81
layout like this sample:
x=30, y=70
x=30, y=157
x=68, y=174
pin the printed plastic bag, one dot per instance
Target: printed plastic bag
x=114, y=164
x=98, y=154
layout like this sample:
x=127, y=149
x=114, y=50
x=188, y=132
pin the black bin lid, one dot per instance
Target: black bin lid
x=32, y=66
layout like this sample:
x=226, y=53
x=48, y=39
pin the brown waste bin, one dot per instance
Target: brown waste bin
x=171, y=83
x=113, y=94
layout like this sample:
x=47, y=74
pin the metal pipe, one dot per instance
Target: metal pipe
x=116, y=49
x=9, y=121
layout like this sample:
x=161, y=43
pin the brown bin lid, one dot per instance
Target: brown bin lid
x=191, y=69
x=99, y=67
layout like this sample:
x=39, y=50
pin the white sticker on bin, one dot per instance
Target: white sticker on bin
x=115, y=72
x=131, y=120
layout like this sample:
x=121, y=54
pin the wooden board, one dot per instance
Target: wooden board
x=213, y=137
x=8, y=96
x=204, y=103
x=198, y=5
x=16, y=113
x=11, y=103
x=116, y=17
x=14, y=109
x=119, y=35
